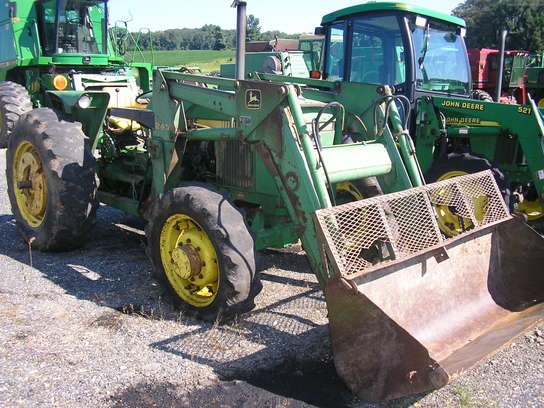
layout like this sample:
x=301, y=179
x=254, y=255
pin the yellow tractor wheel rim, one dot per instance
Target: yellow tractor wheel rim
x=533, y=209
x=189, y=260
x=348, y=192
x=452, y=224
x=349, y=189
x=29, y=184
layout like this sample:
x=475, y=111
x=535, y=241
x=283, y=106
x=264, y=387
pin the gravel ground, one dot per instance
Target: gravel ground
x=89, y=328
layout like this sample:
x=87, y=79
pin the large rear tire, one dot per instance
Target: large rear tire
x=14, y=101
x=481, y=95
x=50, y=174
x=459, y=164
x=202, y=251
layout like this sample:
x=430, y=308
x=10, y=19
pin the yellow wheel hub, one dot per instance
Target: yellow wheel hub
x=189, y=260
x=453, y=224
x=533, y=209
x=347, y=189
x=29, y=184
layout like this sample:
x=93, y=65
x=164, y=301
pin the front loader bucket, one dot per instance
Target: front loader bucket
x=438, y=305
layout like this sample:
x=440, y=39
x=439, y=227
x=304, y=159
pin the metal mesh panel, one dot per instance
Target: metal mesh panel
x=363, y=234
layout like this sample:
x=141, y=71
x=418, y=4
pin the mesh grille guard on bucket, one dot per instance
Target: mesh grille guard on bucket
x=365, y=235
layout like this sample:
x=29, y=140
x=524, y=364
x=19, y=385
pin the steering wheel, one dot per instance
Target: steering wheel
x=372, y=74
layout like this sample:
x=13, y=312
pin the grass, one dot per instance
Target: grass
x=206, y=60
x=465, y=397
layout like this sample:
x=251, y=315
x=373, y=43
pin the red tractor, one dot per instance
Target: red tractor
x=484, y=65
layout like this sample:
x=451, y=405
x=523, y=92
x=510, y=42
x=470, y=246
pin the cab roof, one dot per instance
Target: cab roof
x=390, y=6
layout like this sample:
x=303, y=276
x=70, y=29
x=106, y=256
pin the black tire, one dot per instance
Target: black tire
x=368, y=186
x=14, y=101
x=69, y=173
x=470, y=164
x=481, y=95
x=226, y=229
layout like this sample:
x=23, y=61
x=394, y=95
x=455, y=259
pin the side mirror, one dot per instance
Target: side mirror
x=319, y=31
x=13, y=12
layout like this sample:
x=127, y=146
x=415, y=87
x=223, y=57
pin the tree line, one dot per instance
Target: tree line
x=208, y=37
x=524, y=20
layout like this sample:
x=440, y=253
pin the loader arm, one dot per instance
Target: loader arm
x=362, y=102
x=275, y=130
x=279, y=134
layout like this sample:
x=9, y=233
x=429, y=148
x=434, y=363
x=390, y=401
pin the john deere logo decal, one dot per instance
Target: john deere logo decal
x=253, y=99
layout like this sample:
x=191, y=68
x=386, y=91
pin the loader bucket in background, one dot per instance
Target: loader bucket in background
x=438, y=305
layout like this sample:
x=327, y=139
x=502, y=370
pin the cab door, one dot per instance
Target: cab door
x=8, y=57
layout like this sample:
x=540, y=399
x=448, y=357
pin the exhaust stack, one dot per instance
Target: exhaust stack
x=240, y=38
x=500, y=74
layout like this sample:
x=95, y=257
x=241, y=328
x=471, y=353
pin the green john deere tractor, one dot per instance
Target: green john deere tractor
x=222, y=170
x=58, y=54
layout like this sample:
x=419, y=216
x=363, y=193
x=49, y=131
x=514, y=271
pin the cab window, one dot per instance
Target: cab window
x=441, y=62
x=377, y=50
x=334, y=64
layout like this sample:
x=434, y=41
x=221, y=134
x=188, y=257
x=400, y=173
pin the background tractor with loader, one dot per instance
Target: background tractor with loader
x=222, y=170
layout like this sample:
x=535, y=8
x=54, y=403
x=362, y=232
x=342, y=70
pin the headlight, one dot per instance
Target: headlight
x=60, y=82
x=84, y=101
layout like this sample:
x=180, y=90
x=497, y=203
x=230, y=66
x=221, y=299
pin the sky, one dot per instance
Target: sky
x=290, y=16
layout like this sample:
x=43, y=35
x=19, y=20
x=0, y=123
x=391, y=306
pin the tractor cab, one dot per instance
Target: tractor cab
x=73, y=27
x=418, y=51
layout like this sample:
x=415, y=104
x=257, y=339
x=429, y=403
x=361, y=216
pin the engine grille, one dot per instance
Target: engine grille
x=234, y=163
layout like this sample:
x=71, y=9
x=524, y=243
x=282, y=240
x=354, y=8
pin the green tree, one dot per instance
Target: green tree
x=253, y=28
x=524, y=19
x=215, y=34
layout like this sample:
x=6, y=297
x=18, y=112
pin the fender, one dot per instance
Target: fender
x=91, y=117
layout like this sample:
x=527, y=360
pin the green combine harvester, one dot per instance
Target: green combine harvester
x=56, y=53
x=220, y=168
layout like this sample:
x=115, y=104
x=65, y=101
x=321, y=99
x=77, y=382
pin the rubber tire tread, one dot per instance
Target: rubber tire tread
x=368, y=186
x=481, y=95
x=471, y=164
x=14, y=102
x=235, y=248
x=69, y=169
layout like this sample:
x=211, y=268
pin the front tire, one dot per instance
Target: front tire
x=51, y=181
x=202, y=251
x=14, y=102
x=459, y=164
